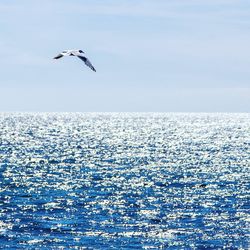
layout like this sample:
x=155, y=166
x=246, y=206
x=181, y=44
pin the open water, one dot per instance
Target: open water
x=124, y=181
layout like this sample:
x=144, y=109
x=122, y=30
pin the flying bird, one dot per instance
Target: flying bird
x=79, y=53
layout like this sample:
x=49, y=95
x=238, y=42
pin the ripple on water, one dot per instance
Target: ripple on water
x=124, y=180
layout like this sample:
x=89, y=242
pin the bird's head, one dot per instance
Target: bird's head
x=80, y=51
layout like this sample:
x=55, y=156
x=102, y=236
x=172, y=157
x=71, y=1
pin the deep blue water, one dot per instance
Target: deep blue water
x=124, y=181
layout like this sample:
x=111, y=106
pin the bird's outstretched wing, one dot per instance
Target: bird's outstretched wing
x=58, y=56
x=87, y=62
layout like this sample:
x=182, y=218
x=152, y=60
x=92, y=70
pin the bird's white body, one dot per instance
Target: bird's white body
x=79, y=53
x=71, y=52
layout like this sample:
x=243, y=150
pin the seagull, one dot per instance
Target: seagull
x=79, y=53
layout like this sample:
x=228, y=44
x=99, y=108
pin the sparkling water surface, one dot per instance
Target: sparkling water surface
x=124, y=181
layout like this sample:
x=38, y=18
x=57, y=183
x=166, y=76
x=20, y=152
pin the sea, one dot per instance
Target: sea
x=124, y=181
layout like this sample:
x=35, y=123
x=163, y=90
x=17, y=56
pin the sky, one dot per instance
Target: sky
x=150, y=55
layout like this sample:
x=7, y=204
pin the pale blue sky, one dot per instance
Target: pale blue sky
x=161, y=55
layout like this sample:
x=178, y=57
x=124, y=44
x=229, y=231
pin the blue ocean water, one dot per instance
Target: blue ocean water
x=124, y=181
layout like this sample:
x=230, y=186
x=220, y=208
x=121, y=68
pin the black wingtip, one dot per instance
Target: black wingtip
x=58, y=56
x=93, y=68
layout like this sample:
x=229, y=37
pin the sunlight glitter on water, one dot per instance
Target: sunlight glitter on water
x=106, y=180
